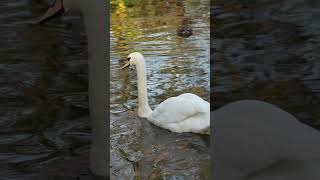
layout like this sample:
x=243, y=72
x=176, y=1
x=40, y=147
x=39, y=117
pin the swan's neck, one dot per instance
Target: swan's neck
x=144, y=109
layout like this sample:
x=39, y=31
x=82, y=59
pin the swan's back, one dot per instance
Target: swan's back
x=253, y=135
x=184, y=113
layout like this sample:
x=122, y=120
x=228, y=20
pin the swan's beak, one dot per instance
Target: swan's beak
x=126, y=65
x=55, y=10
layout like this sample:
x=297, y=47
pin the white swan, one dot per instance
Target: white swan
x=95, y=19
x=254, y=140
x=184, y=113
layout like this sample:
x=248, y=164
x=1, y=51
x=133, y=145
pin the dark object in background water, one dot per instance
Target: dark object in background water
x=185, y=29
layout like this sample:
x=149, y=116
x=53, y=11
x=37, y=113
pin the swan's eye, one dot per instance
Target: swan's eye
x=128, y=58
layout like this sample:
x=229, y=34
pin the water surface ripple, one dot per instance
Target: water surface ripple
x=267, y=50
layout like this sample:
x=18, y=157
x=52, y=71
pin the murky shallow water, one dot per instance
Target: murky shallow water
x=267, y=50
x=175, y=65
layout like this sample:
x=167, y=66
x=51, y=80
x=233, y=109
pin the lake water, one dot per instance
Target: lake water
x=267, y=50
x=43, y=87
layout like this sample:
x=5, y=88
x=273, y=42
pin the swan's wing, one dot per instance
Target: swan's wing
x=177, y=109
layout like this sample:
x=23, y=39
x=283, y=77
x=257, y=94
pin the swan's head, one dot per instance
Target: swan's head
x=58, y=7
x=134, y=59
